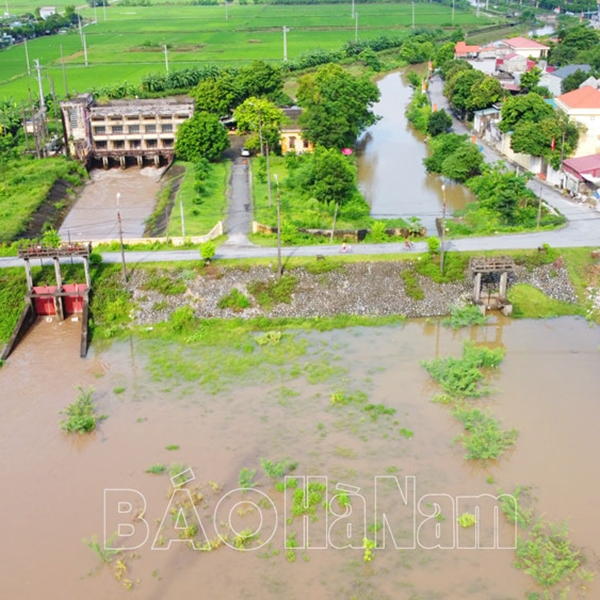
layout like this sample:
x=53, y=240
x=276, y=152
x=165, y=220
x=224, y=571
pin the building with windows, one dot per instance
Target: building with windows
x=123, y=130
x=291, y=138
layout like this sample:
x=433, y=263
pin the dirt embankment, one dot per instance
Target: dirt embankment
x=53, y=211
x=363, y=288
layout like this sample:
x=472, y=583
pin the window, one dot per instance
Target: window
x=292, y=142
x=151, y=144
x=134, y=129
x=101, y=145
x=117, y=129
x=167, y=128
x=74, y=117
x=150, y=128
x=133, y=144
x=168, y=143
x=305, y=143
x=119, y=144
x=99, y=130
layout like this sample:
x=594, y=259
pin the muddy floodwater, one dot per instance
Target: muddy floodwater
x=155, y=395
x=391, y=173
x=95, y=214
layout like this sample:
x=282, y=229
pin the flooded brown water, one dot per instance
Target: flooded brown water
x=94, y=216
x=391, y=173
x=53, y=484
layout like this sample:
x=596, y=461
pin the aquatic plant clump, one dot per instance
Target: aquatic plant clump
x=462, y=376
x=81, y=416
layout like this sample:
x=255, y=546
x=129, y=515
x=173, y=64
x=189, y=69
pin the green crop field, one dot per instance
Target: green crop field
x=128, y=44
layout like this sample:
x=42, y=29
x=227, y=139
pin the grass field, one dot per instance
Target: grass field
x=128, y=45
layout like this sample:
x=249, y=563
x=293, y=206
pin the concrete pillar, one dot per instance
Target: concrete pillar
x=477, y=288
x=105, y=162
x=503, y=284
x=140, y=161
x=59, y=308
x=122, y=162
x=86, y=268
x=157, y=161
x=28, y=275
x=58, y=274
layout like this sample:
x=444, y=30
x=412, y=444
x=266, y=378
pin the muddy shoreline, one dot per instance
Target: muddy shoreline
x=363, y=288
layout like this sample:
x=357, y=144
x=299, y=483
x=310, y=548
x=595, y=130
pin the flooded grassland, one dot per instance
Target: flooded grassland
x=242, y=411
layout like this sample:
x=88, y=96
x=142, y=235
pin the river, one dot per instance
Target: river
x=391, y=174
x=157, y=396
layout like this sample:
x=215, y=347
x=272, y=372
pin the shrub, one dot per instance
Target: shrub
x=412, y=288
x=208, y=250
x=81, y=417
x=275, y=291
x=235, y=300
x=463, y=316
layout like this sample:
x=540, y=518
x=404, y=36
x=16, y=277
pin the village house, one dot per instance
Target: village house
x=47, y=11
x=123, y=129
x=462, y=50
x=583, y=106
x=582, y=174
x=523, y=47
x=291, y=139
x=552, y=78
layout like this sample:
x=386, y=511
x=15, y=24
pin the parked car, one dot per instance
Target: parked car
x=245, y=152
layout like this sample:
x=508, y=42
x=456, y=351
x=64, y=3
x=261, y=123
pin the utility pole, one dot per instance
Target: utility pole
x=226, y=15
x=85, y=58
x=334, y=220
x=39, y=78
x=356, y=28
x=453, y=11
x=443, y=228
x=268, y=174
x=96, y=12
x=121, y=237
x=80, y=29
x=104, y=5
x=27, y=58
x=352, y=15
x=279, y=269
x=285, y=55
x=64, y=74
x=260, y=137
x=539, y=215
x=182, y=217
x=166, y=58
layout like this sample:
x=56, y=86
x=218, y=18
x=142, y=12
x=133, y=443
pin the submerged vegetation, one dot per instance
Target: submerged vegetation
x=81, y=414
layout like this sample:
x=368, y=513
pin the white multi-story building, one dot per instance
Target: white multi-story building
x=123, y=129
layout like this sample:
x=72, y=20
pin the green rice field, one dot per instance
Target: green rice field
x=128, y=44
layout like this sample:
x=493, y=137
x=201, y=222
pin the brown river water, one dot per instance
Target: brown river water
x=390, y=155
x=53, y=484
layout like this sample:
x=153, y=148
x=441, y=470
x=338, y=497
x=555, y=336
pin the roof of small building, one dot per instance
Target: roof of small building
x=570, y=69
x=522, y=43
x=462, y=48
x=142, y=106
x=583, y=164
x=585, y=97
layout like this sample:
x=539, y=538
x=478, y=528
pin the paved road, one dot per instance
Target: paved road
x=239, y=213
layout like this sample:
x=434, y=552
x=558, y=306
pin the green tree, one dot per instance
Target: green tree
x=573, y=81
x=458, y=89
x=464, y=163
x=216, y=96
x=439, y=122
x=370, y=59
x=535, y=138
x=451, y=67
x=332, y=178
x=337, y=106
x=530, y=79
x=484, y=93
x=260, y=79
x=502, y=191
x=441, y=147
x=259, y=116
x=530, y=107
x=444, y=54
x=202, y=136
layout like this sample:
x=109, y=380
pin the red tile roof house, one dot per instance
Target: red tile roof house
x=583, y=105
x=583, y=173
x=524, y=47
x=461, y=50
